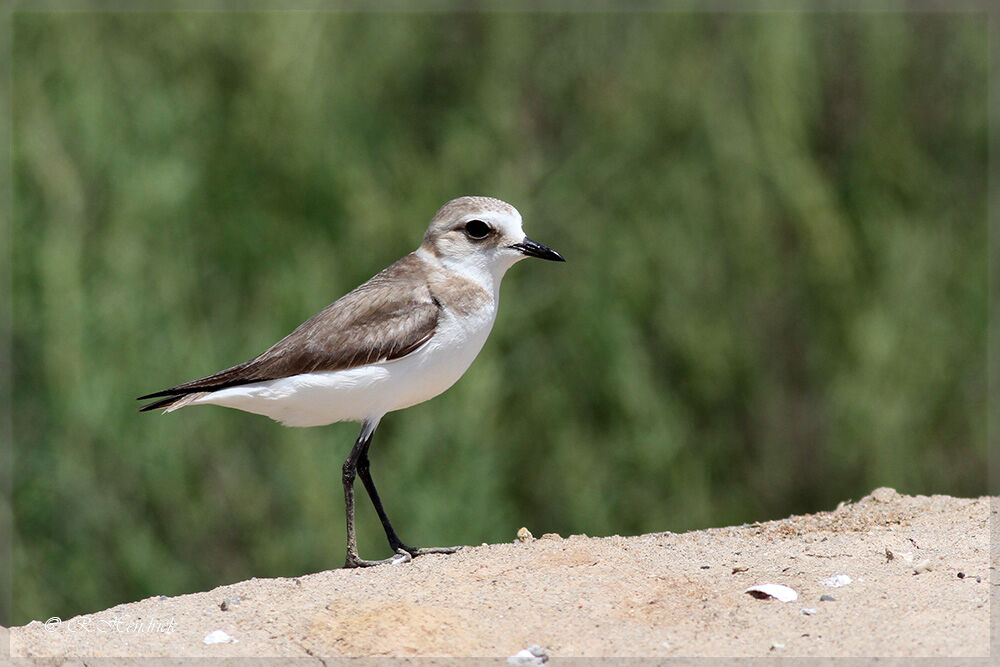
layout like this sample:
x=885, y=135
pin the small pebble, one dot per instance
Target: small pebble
x=229, y=603
x=837, y=581
x=809, y=611
x=961, y=575
x=922, y=566
x=704, y=567
x=827, y=598
x=164, y=597
x=740, y=568
x=551, y=536
x=218, y=637
x=775, y=646
x=533, y=655
x=524, y=535
x=978, y=579
x=776, y=591
x=884, y=494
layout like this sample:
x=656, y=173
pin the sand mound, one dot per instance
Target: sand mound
x=918, y=571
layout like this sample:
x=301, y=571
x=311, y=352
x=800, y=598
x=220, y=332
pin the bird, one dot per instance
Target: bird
x=401, y=338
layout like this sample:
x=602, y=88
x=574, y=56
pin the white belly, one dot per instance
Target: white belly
x=366, y=392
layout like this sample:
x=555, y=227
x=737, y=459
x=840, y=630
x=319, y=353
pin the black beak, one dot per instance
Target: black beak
x=535, y=249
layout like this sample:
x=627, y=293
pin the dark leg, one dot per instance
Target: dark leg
x=349, y=470
x=396, y=544
x=364, y=472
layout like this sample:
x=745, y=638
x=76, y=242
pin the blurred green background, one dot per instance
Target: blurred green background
x=775, y=297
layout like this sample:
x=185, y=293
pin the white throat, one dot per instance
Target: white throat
x=485, y=269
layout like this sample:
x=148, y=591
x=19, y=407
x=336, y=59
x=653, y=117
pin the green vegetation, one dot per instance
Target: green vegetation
x=775, y=295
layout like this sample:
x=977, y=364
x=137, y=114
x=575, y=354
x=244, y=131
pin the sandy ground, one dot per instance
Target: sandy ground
x=662, y=595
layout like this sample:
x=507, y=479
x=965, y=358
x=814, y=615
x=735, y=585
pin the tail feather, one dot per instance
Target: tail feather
x=162, y=403
x=183, y=394
x=244, y=373
x=172, y=403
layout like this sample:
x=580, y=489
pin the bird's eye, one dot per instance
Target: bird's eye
x=477, y=229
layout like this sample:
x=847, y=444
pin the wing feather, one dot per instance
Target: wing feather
x=388, y=317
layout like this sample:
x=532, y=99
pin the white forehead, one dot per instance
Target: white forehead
x=500, y=214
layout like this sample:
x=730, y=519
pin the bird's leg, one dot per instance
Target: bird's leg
x=396, y=544
x=349, y=471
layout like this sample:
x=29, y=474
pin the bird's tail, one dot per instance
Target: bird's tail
x=171, y=403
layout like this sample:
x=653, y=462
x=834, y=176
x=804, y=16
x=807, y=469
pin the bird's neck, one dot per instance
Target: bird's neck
x=476, y=268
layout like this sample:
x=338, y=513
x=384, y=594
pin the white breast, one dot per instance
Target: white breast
x=367, y=392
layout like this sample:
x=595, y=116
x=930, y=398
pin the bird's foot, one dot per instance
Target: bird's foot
x=401, y=556
x=414, y=552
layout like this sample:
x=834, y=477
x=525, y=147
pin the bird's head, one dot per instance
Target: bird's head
x=472, y=235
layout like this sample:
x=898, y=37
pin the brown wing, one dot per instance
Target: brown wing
x=387, y=317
